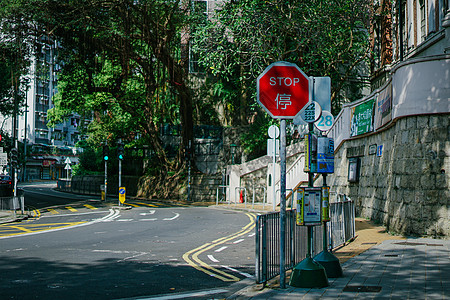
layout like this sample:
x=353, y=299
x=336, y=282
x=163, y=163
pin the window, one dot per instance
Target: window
x=423, y=21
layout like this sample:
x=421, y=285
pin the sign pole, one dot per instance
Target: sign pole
x=274, y=204
x=282, y=203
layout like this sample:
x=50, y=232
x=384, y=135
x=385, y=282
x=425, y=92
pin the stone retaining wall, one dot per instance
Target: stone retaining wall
x=407, y=187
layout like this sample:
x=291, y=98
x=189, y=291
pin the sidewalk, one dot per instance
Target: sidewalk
x=376, y=265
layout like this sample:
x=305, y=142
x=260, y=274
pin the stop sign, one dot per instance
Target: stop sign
x=283, y=90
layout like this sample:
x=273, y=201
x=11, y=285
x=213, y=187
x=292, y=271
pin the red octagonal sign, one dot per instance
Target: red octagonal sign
x=283, y=90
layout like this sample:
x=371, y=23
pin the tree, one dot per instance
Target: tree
x=15, y=46
x=122, y=61
x=324, y=38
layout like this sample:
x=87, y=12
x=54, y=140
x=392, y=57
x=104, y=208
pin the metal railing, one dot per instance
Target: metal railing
x=268, y=238
x=224, y=194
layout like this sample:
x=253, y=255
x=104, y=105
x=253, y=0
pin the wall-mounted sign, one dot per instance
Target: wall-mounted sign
x=356, y=151
x=372, y=149
x=354, y=164
x=380, y=150
x=384, y=107
x=362, y=118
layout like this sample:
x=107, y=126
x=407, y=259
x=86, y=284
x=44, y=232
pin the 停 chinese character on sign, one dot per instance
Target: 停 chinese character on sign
x=283, y=100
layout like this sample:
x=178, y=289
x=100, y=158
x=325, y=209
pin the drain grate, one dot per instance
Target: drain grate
x=362, y=288
x=369, y=243
x=391, y=255
x=419, y=244
x=410, y=244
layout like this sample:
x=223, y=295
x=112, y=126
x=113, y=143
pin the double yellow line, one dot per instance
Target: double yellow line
x=191, y=257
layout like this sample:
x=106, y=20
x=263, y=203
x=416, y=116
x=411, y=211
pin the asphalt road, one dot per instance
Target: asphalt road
x=77, y=248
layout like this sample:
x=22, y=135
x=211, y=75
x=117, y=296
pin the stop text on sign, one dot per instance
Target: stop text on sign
x=283, y=90
x=287, y=81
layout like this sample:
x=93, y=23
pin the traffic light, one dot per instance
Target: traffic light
x=105, y=152
x=120, y=151
x=14, y=156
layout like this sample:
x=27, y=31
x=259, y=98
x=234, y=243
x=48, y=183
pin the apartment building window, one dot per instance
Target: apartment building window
x=423, y=21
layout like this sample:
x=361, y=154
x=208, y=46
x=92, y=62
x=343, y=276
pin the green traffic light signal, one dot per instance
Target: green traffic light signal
x=105, y=152
x=120, y=156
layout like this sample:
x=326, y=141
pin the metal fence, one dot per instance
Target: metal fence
x=341, y=228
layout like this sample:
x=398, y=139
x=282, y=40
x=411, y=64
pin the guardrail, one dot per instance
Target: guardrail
x=341, y=228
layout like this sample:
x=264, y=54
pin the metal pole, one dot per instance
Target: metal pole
x=273, y=172
x=106, y=178
x=325, y=248
x=310, y=184
x=282, y=203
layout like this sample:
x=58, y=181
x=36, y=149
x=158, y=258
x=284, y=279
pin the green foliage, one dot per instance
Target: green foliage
x=324, y=38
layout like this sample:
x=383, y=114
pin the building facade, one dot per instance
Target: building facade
x=45, y=148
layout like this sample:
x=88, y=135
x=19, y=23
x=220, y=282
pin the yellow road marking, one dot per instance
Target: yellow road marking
x=205, y=268
x=134, y=205
x=37, y=213
x=33, y=228
x=71, y=209
x=21, y=228
x=52, y=211
x=151, y=205
x=90, y=206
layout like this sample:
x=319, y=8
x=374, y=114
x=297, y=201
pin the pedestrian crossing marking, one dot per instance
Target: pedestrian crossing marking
x=89, y=206
x=54, y=212
x=71, y=209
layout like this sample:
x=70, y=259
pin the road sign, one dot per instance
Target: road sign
x=274, y=131
x=67, y=161
x=3, y=159
x=311, y=113
x=271, y=148
x=283, y=90
x=67, y=167
x=122, y=194
x=325, y=121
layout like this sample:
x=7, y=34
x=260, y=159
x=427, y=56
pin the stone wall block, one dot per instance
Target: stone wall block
x=411, y=122
x=401, y=124
x=428, y=181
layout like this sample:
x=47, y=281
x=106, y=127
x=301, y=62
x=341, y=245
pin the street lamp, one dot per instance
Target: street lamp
x=233, y=152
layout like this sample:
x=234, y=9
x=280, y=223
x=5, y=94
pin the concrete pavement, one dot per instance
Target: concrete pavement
x=415, y=268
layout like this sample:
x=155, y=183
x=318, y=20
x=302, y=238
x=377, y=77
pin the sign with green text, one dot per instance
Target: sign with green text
x=362, y=118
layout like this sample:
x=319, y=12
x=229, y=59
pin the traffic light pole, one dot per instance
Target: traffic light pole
x=120, y=165
x=106, y=178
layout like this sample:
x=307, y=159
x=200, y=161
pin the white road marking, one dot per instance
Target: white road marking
x=125, y=220
x=211, y=258
x=237, y=271
x=112, y=213
x=151, y=212
x=173, y=218
x=185, y=295
x=221, y=249
x=238, y=241
x=154, y=219
x=252, y=234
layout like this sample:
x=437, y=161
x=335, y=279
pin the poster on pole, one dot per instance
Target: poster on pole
x=309, y=206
